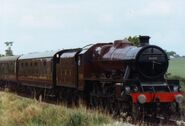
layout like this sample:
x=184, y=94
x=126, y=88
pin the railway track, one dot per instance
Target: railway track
x=149, y=120
x=161, y=121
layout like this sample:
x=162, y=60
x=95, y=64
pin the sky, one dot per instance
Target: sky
x=44, y=25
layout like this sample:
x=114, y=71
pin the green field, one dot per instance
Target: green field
x=177, y=67
x=177, y=70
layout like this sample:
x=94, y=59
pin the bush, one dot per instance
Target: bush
x=181, y=79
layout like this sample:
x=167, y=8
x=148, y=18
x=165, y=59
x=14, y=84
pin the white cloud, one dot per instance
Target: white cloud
x=43, y=21
x=158, y=7
x=153, y=8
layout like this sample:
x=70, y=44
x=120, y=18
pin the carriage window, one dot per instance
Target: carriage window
x=70, y=73
x=35, y=63
x=44, y=63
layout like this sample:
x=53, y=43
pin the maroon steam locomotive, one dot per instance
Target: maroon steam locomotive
x=118, y=76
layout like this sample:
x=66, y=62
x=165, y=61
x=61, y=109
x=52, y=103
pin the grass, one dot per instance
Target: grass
x=177, y=67
x=177, y=70
x=19, y=111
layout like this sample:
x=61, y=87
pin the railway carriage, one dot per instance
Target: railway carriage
x=8, y=70
x=36, y=69
x=45, y=73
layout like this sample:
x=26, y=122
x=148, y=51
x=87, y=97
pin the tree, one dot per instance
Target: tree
x=172, y=54
x=134, y=40
x=8, y=51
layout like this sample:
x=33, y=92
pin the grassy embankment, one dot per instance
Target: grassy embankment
x=177, y=70
x=19, y=111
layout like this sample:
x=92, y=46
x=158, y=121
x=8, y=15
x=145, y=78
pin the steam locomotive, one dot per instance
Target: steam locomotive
x=117, y=76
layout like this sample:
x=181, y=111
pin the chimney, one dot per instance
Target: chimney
x=144, y=40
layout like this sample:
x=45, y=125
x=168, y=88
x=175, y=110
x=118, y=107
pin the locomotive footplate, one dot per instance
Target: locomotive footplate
x=154, y=93
x=158, y=97
x=159, y=104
